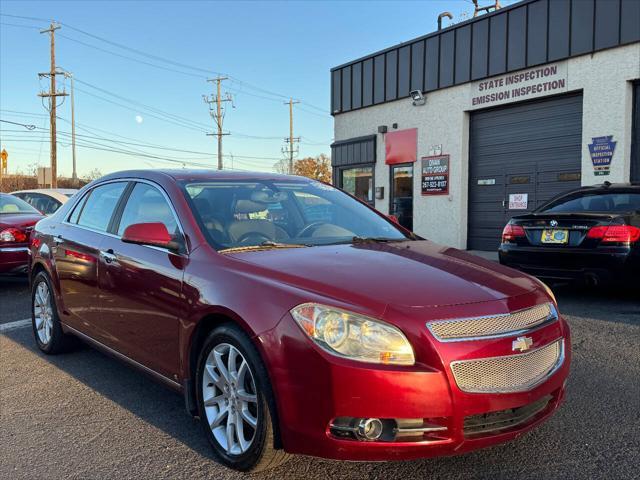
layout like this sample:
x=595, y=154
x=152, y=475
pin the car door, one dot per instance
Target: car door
x=141, y=286
x=76, y=243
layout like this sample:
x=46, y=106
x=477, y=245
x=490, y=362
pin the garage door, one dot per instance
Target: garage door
x=520, y=156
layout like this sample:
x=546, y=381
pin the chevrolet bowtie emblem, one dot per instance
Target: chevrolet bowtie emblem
x=522, y=344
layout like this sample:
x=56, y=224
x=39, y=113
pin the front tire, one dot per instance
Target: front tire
x=44, y=318
x=235, y=402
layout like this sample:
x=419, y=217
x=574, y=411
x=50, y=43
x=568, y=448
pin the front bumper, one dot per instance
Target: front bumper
x=314, y=388
x=565, y=264
x=14, y=259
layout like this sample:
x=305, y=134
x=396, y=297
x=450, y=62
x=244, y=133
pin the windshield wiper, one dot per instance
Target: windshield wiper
x=357, y=239
x=267, y=245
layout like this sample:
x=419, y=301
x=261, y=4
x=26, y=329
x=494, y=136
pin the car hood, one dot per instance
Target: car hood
x=399, y=275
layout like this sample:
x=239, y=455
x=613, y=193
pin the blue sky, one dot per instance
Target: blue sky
x=270, y=49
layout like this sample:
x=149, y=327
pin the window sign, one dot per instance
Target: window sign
x=518, y=201
x=435, y=175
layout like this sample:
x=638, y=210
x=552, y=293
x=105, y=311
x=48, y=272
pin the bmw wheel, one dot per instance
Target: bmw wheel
x=235, y=402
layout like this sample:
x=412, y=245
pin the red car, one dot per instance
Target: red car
x=17, y=219
x=294, y=318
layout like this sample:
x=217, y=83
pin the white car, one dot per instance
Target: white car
x=46, y=200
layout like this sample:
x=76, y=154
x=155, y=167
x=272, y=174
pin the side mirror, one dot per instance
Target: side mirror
x=154, y=234
x=393, y=218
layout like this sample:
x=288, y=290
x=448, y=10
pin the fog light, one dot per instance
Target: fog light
x=370, y=428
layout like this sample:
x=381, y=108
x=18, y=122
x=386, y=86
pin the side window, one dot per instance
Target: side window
x=100, y=205
x=78, y=208
x=147, y=205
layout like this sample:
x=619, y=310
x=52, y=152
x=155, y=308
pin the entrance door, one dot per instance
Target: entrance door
x=401, y=196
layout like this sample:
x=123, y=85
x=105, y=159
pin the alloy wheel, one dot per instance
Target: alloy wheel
x=230, y=399
x=43, y=313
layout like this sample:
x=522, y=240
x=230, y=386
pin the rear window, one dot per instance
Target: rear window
x=594, y=202
x=10, y=204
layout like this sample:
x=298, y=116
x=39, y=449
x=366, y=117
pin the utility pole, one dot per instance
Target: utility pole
x=74, y=175
x=291, y=140
x=218, y=113
x=52, y=96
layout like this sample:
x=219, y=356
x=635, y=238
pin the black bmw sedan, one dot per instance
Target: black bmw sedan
x=590, y=235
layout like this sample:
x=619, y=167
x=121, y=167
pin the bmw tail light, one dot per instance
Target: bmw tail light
x=615, y=234
x=512, y=232
x=13, y=235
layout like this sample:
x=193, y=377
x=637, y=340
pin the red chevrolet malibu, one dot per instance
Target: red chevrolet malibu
x=17, y=219
x=295, y=319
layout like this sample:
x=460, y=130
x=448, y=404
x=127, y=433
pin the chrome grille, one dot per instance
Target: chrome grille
x=512, y=373
x=493, y=325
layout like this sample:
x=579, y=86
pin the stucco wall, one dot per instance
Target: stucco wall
x=604, y=78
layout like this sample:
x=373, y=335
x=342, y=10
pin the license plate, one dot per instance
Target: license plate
x=555, y=236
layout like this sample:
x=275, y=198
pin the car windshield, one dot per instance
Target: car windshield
x=13, y=205
x=584, y=202
x=272, y=214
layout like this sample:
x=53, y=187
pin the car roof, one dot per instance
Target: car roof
x=606, y=187
x=200, y=175
x=60, y=194
x=64, y=191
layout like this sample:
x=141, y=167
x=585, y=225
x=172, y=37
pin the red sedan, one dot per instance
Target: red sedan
x=295, y=319
x=17, y=219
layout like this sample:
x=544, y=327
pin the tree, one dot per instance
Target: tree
x=92, y=175
x=282, y=166
x=318, y=168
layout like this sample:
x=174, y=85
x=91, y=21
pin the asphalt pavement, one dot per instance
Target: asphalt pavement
x=15, y=303
x=84, y=415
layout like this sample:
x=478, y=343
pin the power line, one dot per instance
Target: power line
x=28, y=114
x=167, y=60
x=37, y=19
x=27, y=126
x=142, y=144
x=7, y=24
x=132, y=59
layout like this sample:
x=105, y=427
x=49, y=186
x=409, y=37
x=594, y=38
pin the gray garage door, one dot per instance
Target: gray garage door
x=526, y=153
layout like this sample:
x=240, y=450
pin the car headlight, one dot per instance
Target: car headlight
x=354, y=336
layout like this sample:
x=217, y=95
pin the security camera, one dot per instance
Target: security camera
x=417, y=97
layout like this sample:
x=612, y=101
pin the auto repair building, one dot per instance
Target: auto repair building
x=459, y=130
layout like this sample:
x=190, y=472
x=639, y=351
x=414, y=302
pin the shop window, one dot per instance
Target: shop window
x=358, y=182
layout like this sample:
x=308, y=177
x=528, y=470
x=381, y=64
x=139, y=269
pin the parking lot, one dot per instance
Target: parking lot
x=84, y=415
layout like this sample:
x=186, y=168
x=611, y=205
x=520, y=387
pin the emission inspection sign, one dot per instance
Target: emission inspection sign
x=435, y=175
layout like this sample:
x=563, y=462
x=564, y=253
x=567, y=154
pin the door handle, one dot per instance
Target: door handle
x=108, y=256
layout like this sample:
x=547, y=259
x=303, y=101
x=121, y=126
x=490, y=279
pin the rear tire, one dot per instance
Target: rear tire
x=235, y=402
x=44, y=318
